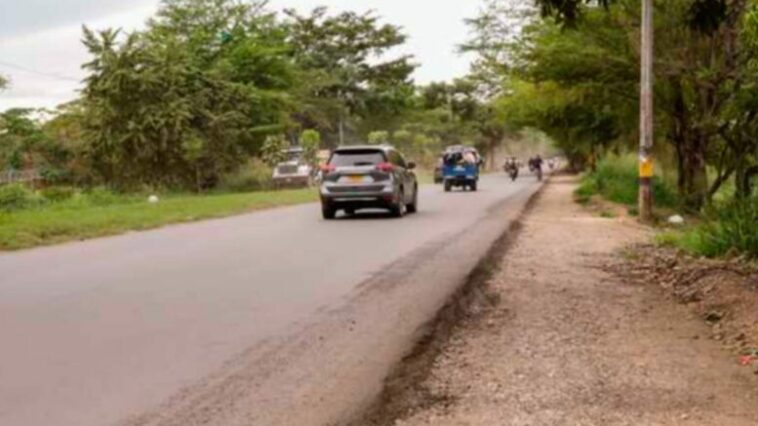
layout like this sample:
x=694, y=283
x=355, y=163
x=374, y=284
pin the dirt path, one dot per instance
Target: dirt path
x=570, y=344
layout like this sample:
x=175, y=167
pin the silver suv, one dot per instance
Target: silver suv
x=368, y=177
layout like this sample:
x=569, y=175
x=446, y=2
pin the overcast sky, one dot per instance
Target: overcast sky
x=41, y=52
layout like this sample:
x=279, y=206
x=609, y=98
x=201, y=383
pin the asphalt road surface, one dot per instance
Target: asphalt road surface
x=271, y=318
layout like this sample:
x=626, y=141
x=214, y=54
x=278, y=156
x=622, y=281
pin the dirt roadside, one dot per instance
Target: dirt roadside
x=570, y=343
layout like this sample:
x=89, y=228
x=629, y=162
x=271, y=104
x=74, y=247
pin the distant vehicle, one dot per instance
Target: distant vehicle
x=368, y=177
x=461, y=167
x=294, y=171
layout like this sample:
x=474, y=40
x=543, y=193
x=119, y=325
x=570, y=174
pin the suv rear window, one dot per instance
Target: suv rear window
x=357, y=158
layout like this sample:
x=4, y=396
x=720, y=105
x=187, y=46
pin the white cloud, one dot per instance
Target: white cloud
x=23, y=17
x=45, y=67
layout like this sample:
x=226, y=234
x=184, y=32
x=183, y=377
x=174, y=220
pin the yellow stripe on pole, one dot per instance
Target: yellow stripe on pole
x=646, y=167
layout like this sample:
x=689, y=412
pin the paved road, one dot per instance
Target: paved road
x=255, y=319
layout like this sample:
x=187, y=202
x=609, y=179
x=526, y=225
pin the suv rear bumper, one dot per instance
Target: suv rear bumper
x=460, y=180
x=346, y=197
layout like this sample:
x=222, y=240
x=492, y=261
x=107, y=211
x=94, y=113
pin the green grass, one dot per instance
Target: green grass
x=586, y=190
x=90, y=216
x=728, y=228
x=616, y=179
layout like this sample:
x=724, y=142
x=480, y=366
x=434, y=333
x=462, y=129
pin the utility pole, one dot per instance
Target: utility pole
x=646, y=114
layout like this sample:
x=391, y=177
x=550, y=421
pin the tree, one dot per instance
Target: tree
x=701, y=67
x=495, y=37
x=575, y=77
x=24, y=144
x=273, y=150
x=738, y=153
x=345, y=75
x=178, y=106
x=379, y=137
x=3, y=82
x=702, y=15
x=403, y=140
x=64, y=132
x=310, y=141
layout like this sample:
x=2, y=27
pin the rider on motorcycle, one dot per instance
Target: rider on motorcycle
x=536, y=165
x=511, y=167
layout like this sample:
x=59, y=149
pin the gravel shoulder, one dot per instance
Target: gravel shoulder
x=569, y=342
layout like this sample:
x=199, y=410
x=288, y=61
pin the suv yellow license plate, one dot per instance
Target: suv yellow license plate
x=357, y=179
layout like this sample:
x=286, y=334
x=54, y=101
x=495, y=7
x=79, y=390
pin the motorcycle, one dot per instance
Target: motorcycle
x=512, y=171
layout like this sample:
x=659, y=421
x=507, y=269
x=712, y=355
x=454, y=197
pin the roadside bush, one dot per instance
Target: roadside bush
x=100, y=196
x=255, y=175
x=730, y=228
x=17, y=197
x=616, y=179
x=58, y=193
x=587, y=188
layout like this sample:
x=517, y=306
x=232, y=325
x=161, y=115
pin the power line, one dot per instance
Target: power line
x=40, y=73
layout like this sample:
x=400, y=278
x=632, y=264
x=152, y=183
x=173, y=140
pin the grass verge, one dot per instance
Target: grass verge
x=77, y=220
x=728, y=229
x=616, y=179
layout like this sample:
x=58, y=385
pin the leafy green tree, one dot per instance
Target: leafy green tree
x=577, y=80
x=17, y=134
x=403, y=139
x=553, y=86
x=737, y=155
x=177, y=106
x=310, y=141
x=24, y=144
x=704, y=16
x=64, y=130
x=273, y=151
x=495, y=39
x=703, y=66
x=345, y=74
x=379, y=137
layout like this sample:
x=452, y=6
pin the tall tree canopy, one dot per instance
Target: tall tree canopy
x=207, y=84
x=344, y=69
x=189, y=98
x=704, y=15
x=579, y=83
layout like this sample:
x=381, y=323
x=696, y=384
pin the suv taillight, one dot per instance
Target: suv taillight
x=385, y=167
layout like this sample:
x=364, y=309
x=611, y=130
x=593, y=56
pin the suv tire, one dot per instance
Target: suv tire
x=398, y=210
x=328, y=212
x=413, y=206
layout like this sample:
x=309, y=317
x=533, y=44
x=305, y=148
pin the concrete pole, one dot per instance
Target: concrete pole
x=646, y=114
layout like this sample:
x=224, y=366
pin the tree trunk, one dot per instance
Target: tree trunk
x=678, y=134
x=691, y=146
x=744, y=180
x=694, y=177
